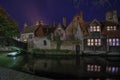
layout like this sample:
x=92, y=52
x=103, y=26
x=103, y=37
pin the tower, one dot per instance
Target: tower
x=64, y=21
x=115, y=17
x=81, y=17
x=109, y=16
x=112, y=16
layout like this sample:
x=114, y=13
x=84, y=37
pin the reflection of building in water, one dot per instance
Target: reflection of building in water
x=91, y=67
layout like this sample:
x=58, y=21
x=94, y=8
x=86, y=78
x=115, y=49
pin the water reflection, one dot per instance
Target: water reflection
x=14, y=58
x=61, y=65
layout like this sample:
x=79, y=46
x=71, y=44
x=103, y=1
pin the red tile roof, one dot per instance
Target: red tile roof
x=104, y=31
x=39, y=30
x=104, y=24
x=84, y=28
x=29, y=29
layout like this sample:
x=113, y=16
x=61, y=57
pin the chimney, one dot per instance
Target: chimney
x=39, y=22
x=64, y=21
x=54, y=24
x=109, y=16
x=115, y=16
x=25, y=25
x=81, y=17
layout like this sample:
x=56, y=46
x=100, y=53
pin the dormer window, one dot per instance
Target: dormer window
x=111, y=28
x=94, y=28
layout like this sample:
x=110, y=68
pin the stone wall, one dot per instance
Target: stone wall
x=43, y=43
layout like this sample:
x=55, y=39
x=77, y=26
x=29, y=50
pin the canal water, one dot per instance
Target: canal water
x=57, y=67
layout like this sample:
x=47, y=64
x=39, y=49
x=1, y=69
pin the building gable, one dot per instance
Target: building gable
x=95, y=23
x=39, y=31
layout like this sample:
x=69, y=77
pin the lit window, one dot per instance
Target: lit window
x=112, y=69
x=98, y=28
x=94, y=28
x=115, y=28
x=91, y=29
x=113, y=42
x=111, y=28
x=99, y=68
x=109, y=69
x=25, y=40
x=94, y=68
x=88, y=68
x=116, y=69
x=94, y=42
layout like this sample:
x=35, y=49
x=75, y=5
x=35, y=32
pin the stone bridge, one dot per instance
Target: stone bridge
x=12, y=43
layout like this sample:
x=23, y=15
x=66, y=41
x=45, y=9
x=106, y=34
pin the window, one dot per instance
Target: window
x=94, y=28
x=111, y=28
x=45, y=42
x=112, y=69
x=25, y=40
x=30, y=36
x=95, y=68
x=94, y=42
x=113, y=42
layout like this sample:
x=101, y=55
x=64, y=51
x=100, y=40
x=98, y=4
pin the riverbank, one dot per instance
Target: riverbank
x=8, y=74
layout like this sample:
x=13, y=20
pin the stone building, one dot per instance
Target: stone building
x=101, y=36
x=95, y=35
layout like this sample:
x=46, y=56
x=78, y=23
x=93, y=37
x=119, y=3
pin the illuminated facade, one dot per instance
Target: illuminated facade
x=97, y=35
x=92, y=36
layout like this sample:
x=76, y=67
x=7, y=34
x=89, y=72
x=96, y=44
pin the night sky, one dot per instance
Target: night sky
x=30, y=11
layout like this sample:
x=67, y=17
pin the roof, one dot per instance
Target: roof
x=74, y=24
x=108, y=23
x=44, y=30
x=39, y=30
x=85, y=25
x=29, y=29
x=103, y=27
